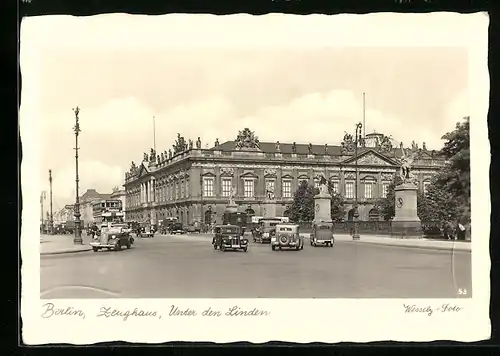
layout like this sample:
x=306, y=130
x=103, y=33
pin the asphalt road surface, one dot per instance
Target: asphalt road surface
x=188, y=267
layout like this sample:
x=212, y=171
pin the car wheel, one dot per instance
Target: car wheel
x=279, y=248
x=215, y=247
x=245, y=249
x=223, y=249
x=302, y=246
x=273, y=248
x=118, y=246
x=95, y=249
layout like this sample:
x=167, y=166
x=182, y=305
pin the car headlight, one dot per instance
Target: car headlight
x=113, y=236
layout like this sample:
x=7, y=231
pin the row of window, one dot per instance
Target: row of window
x=286, y=186
x=174, y=191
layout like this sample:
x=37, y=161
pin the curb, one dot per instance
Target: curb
x=63, y=252
x=438, y=248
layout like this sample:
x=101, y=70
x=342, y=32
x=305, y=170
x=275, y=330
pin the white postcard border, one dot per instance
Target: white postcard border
x=293, y=320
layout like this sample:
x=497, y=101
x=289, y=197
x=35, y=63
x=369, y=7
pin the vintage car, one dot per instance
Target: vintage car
x=287, y=236
x=146, y=231
x=266, y=230
x=196, y=227
x=322, y=234
x=177, y=228
x=229, y=237
x=111, y=237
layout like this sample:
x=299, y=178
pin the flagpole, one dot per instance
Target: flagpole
x=154, y=134
x=364, y=117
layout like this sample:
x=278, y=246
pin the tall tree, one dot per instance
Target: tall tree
x=303, y=203
x=180, y=144
x=455, y=178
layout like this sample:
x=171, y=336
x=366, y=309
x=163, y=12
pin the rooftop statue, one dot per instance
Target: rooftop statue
x=326, y=148
x=386, y=144
x=216, y=142
x=152, y=155
x=277, y=146
x=145, y=158
x=190, y=144
x=162, y=157
x=294, y=148
x=348, y=145
x=247, y=139
x=310, y=148
x=169, y=153
x=198, y=143
x=424, y=147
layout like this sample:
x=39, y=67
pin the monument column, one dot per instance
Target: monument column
x=406, y=222
x=322, y=203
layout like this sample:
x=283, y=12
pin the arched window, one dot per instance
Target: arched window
x=373, y=214
x=208, y=217
x=350, y=215
x=250, y=211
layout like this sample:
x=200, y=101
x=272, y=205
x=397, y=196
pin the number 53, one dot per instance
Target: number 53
x=462, y=291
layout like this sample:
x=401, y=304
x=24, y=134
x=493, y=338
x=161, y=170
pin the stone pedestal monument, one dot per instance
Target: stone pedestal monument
x=269, y=205
x=322, y=203
x=406, y=223
x=231, y=207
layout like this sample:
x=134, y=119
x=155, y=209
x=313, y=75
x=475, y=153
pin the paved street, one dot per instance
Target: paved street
x=188, y=267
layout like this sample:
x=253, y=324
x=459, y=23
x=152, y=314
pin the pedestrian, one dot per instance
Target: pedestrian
x=461, y=232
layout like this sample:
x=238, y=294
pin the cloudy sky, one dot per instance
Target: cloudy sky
x=286, y=93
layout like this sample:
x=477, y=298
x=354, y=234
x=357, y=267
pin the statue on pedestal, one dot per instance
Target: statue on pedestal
x=170, y=153
x=277, y=146
x=162, y=157
x=132, y=167
x=406, y=163
x=294, y=148
x=216, y=143
x=323, y=186
x=158, y=160
x=145, y=158
x=401, y=145
x=326, y=148
x=152, y=155
x=413, y=145
x=424, y=147
x=247, y=139
x=231, y=197
x=310, y=148
x=198, y=143
x=190, y=144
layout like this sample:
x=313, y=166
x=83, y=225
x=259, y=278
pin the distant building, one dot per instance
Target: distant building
x=86, y=201
x=196, y=184
x=119, y=194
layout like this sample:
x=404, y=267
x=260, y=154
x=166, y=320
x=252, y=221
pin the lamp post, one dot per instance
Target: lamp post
x=355, y=235
x=78, y=233
x=51, y=221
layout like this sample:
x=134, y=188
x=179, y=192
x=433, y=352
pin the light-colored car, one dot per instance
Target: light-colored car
x=287, y=236
x=111, y=237
x=322, y=234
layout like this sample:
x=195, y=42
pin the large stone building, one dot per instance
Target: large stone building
x=195, y=184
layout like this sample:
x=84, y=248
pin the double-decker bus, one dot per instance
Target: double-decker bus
x=109, y=210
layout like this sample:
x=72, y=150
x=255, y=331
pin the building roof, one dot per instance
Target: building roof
x=303, y=149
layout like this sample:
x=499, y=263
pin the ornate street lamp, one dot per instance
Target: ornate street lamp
x=78, y=233
x=355, y=235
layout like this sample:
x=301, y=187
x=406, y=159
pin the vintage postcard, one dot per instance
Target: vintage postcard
x=255, y=178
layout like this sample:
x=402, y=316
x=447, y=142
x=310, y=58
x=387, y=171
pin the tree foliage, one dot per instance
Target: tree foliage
x=180, y=144
x=303, y=204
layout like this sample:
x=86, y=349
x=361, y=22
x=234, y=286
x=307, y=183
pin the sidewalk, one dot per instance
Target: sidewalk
x=409, y=242
x=61, y=244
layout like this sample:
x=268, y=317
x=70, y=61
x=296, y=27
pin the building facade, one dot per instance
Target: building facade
x=196, y=184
